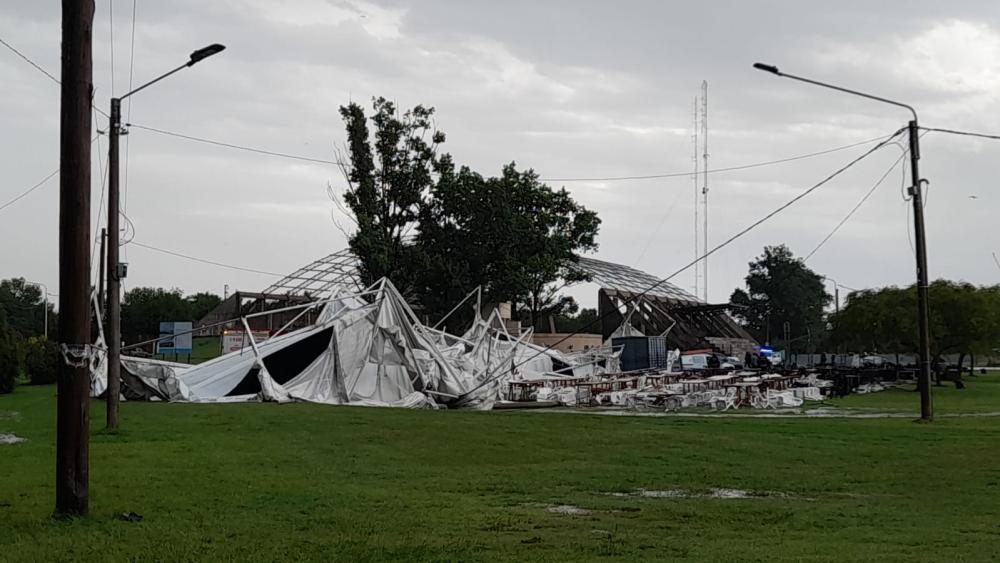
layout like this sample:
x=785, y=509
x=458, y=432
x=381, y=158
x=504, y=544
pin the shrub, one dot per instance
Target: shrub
x=41, y=360
x=11, y=356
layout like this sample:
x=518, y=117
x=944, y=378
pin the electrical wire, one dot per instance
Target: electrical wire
x=205, y=261
x=964, y=133
x=100, y=205
x=716, y=170
x=996, y=260
x=652, y=235
x=42, y=70
x=111, y=30
x=29, y=190
x=233, y=146
x=128, y=110
x=858, y=206
x=728, y=241
x=40, y=183
x=339, y=162
x=29, y=61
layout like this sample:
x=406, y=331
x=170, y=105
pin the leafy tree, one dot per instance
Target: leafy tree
x=963, y=319
x=143, y=308
x=438, y=230
x=202, y=303
x=584, y=320
x=512, y=235
x=780, y=289
x=41, y=360
x=11, y=357
x=24, y=307
x=388, y=181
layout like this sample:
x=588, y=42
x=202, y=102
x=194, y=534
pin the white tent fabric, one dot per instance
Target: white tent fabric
x=374, y=352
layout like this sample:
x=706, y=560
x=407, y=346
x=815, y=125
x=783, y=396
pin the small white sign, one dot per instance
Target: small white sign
x=236, y=340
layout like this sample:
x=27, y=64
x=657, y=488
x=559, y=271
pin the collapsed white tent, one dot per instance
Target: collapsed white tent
x=364, y=348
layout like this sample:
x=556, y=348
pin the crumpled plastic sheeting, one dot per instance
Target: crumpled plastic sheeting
x=379, y=354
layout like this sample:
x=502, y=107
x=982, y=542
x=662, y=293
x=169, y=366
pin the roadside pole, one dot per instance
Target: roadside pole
x=73, y=406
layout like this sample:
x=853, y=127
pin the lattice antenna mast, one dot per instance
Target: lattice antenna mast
x=704, y=189
x=695, y=158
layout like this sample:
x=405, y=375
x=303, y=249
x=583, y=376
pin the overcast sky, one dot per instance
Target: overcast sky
x=570, y=88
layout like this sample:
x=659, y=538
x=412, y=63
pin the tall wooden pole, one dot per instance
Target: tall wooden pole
x=113, y=328
x=920, y=241
x=100, y=273
x=73, y=416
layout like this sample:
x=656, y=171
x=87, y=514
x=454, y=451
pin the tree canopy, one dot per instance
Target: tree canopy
x=439, y=230
x=781, y=288
x=23, y=306
x=964, y=319
x=143, y=308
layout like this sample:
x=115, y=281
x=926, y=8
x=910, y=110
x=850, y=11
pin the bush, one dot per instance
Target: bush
x=11, y=359
x=41, y=360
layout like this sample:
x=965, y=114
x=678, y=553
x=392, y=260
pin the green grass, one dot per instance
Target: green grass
x=266, y=482
x=982, y=394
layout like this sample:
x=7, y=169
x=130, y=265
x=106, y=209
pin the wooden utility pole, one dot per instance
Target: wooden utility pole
x=113, y=327
x=73, y=416
x=100, y=274
x=920, y=240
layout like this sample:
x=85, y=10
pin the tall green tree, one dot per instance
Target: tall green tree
x=781, y=288
x=963, y=319
x=512, y=235
x=439, y=230
x=392, y=165
x=144, y=308
x=24, y=307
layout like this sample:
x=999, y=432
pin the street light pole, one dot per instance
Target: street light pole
x=45, y=303
x=836, y=293
x=924, y=377
x=116, y=270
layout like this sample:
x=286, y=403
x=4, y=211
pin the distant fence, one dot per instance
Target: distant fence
x=855, y=360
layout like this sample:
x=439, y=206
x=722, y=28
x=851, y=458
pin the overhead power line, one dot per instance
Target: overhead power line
x=856, y=207
x=205, y=261
x=29, y=61
x=39, y=68
x=29, y=190
x=231, y=145
x=612, y=178
x=727, y=242
x=715, y=170
x=964, y=133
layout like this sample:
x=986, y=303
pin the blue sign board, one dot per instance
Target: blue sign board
x=180, y=338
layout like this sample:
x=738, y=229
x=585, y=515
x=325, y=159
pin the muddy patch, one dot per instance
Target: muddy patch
x=9, y=438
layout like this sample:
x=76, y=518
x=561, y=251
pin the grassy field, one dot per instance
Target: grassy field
x=266, y=482
x=982, y=394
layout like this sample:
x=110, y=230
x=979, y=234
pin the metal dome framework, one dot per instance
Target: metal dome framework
x=317, y=278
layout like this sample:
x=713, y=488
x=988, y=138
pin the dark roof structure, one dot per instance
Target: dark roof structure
x=654, y=307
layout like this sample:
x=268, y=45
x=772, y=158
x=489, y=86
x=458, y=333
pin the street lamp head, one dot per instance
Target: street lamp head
x=767, y=68
x=205, y=52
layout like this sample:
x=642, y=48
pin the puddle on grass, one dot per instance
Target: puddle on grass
x=8, y=439
x=567, y=509
x=713, y=493
x=725, y=494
